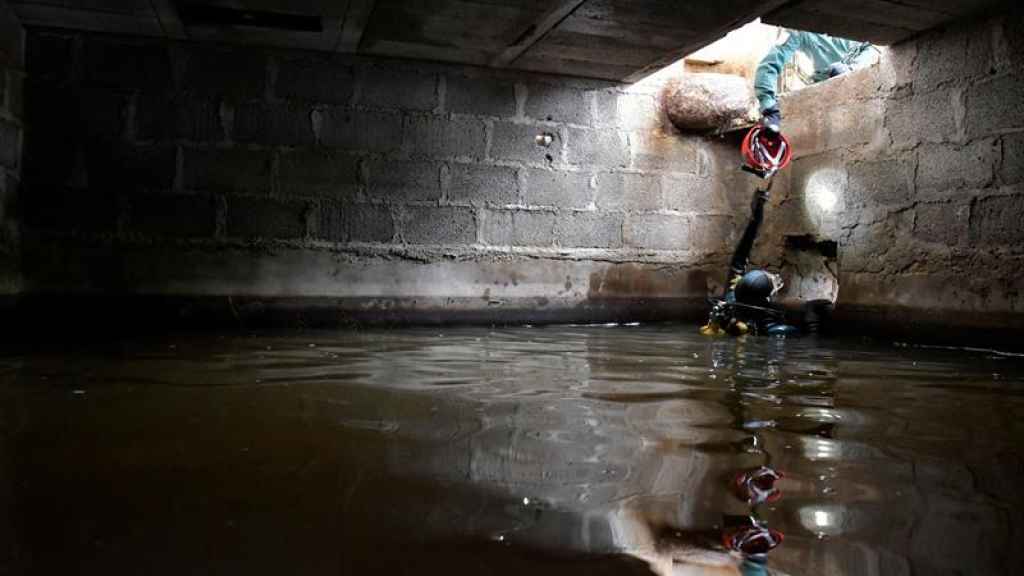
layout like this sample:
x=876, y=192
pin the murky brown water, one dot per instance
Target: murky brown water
x=529, y=450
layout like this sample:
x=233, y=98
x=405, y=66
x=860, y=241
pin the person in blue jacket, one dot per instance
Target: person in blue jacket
x=831, y=57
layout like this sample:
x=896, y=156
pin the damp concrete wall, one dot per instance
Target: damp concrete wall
x=11, y=106
x=915, y=167
x=363, y=188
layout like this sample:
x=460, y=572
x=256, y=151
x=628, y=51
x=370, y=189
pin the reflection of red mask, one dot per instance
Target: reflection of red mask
x=757, y=486
x=751, y=539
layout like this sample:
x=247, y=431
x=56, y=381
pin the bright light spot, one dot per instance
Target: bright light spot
x=526, y=501
x=821, y=518
x=825, y=199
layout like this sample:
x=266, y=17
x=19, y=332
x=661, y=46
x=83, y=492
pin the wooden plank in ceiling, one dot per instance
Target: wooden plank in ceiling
x=537, y=30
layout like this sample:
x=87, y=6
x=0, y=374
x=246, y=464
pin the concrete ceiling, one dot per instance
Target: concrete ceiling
x=609, y=39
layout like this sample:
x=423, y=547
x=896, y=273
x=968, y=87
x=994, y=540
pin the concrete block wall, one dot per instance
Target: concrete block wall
x=201, y=170
x=12, y=72
x=922, y=156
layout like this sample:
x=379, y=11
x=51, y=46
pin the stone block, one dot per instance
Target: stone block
x=623, y=191
x=711, y=233
x=805, y=130
x=191, y=216
x=663, y=152
x=822, y=176
x=317, y=80
x=320, y=173
x=943, y=223
x=480, y=97
x=126, y=67
x=604, y=148
x=658, y=231
x=996, y=220
x=398, y=89
x=589, y=230
x=533, y=228
x=637, y=112
x=10, y=148
x=444, y=137
x=854, y=124
x=557, y=188
x=350, y=222
x=995, y=106
x=480, y=184
x=889, y=181
x=274, y=124
x=927, y=117
x=266, y=218
x=163, y=117
x=553, y=103
x=942, y=57
x=399, y=181
x=131, y=169
x=1011, y=169
x=447, y=225
x=948, y=166
x=497, y=227
x=227, y=170
x=360, y=130
x=692, y=193
x=518, y=142
x=232, y=75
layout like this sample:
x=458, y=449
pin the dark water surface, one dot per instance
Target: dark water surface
x=591, y=450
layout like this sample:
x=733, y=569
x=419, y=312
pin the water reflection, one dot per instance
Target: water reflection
x=576, y=449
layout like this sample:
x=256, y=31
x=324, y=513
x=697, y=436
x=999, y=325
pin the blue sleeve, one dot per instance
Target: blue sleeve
x=766, y=80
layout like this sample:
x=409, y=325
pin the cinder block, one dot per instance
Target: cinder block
x=227, y=170
x=637, y=112
x=941, y=58
x=692, y=193
x=480, y=96
x=888, y=181
x=481, y=184
x=444, y=137
x=371, y=223
x=275, y=124
x=126, y=66
x=944, y=223
x=321, y=173
x=948, y=166
x=398, y=89
x=318, y=80
x=398, y=181
x=996, y=221
x=1011, y=169
x=266, y=218
x=658, y=231
x=361, y=130
x=10, y=151
x=995, y=106
x=518, y=142
x=663, y=152
x=236, y=76
x=622, y=191
x=439, y=225
x=558, y=104
x=604, y=148
x=131, y=169
x=192, y=216
x=533, y=228
x=497, y=227
x=159, y=117
x=557, y=188
x=854, y=123
x=919, y=118
x=589, y=230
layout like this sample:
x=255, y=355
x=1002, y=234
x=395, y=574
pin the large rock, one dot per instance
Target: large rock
x=710, y=102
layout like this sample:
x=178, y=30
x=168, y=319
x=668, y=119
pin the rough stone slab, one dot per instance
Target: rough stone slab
x=948, y=166
x=589, y=230
x=605, y=148
x=518, y=142
x=552, y=103
x=321, y=173
x=996, y=106
x=996, y=220
x=627, y=191
x=227, y=170
x=703, y=102
x=888, y=181
x=10, y=150
x=274, y=124
x=1011, y=169
x=314, y=80
x=126, y=67
x=361, y=130
x=658, y=231
x=945, y=223
x=533, y=228
x=398, y=89
x=399, y=181
x=162, y=117
x=497, y=227
x=482, y=184
x=445, y=225
x=232, y=75
x=266, y=218
x=191, y=216
x=480, y=96
x=444, y=137
x=557, y=188
x=663, y=152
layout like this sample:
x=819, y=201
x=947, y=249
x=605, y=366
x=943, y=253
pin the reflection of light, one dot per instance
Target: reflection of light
x=822, y=518
x=825, y=199
x=821, y=192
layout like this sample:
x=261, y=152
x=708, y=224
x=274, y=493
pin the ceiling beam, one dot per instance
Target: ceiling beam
x=533, y=33
x=356, y=18
x=169, y=19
